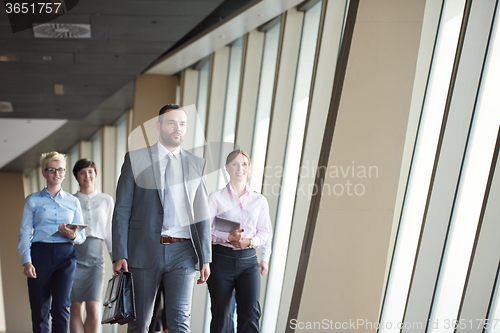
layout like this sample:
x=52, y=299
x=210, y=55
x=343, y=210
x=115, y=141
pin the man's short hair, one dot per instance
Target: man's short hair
x=167, y=108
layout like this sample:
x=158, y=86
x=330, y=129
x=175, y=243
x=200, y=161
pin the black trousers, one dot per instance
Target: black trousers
x=55, y=265
x=239, y=271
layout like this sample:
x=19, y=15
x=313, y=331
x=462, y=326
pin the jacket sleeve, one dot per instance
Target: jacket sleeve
x=202, y=218
x=123, y=209
x=109, y=223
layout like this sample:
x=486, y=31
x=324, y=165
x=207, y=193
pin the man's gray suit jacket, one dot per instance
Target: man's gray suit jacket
x=138, y=214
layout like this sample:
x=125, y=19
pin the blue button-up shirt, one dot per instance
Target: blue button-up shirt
x=42, y=215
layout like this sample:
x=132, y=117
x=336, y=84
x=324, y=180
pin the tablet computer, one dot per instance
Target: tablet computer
x=226, y=225
x=80, y=226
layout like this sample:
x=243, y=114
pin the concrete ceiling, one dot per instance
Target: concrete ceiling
x=97, y=73
x=261, y=14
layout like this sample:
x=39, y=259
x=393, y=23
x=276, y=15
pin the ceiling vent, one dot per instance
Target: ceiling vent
x=6, y=107
x=61, y=30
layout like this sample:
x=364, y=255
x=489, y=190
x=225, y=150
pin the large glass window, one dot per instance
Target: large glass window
x=97, y=158
x=231, y=106
x=201, y=108
x=494, y=312
x=233, y=93
x=199, y=143
x=300, y=104
x=34, y=181
x=422, y=166
x=264, y=102
x=72, y=159
x=471, y=191
x=438, y=275
x=121, y=144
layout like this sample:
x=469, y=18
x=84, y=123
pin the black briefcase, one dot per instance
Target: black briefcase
x=119, y=302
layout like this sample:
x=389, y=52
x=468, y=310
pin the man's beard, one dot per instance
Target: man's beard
x=169, y=141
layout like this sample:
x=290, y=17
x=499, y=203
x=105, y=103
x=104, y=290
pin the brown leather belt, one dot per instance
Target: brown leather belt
x=169, y=240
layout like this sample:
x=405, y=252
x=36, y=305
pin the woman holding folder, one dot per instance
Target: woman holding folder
x=97, y=211
x=46, y=246
x=234, y=261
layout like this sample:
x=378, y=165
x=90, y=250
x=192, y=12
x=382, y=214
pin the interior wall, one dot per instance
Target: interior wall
x=2, y=304
x=152, y=92
x=108, y=160
x=15, y=289
x=345, y=274
x=85, y=149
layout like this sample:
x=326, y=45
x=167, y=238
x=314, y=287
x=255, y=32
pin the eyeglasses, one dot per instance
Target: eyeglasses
x=54, y=170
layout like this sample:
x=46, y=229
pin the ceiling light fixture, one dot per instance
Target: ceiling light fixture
x=58, y=89
x=9, y=57
x=6, y=107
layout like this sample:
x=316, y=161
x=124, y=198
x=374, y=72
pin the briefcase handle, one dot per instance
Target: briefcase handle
x=114, y=289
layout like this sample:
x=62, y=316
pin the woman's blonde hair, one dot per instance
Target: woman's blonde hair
x=50, y=157
x=232, y=155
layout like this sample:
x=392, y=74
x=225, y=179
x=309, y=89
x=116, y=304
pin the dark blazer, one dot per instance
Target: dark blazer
x=138, y=214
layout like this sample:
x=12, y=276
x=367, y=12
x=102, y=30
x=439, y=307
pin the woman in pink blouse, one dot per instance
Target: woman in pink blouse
x=234, y=262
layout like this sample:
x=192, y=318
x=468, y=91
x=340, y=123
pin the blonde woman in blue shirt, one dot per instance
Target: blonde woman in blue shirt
x=46, y=246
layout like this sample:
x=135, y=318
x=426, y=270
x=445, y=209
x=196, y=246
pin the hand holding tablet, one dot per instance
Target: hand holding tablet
x=71, y=226
x=225, y=225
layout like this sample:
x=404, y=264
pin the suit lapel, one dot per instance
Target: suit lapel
x=185, y=173
x=155, y=161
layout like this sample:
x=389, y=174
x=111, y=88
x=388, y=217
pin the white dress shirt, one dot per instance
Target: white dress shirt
x=97, y=210
x=181, y=224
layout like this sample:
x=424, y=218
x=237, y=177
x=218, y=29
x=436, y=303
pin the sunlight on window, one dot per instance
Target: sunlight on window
x=471, y=191
x=295, y=139
x=423, y=161
x=262, y=116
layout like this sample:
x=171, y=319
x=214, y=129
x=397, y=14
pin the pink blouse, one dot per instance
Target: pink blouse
x=251, y=210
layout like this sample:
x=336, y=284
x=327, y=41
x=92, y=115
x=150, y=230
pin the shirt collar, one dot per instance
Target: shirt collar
x=46, y=192
x=90, y=195
x=247, y=189
x=162, y=151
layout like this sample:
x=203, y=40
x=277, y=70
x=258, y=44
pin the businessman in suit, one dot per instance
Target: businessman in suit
x=161, y=226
